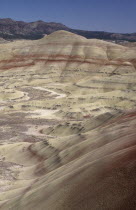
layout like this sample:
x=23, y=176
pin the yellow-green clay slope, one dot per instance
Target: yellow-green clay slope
x=67, y=124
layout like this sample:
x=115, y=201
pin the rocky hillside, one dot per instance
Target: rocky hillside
x=10, y=29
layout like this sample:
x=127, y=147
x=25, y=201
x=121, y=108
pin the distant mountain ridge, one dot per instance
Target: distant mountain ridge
x=11, y=29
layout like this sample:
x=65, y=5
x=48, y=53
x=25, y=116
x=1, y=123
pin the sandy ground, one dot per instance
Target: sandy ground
x=51, y=91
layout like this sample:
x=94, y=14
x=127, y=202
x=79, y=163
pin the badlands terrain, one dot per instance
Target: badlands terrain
x=67, y=124
x=11, y=30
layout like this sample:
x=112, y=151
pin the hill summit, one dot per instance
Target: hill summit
x=11, y=29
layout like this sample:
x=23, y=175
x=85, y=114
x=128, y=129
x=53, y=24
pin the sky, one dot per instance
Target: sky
x=94, y=15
